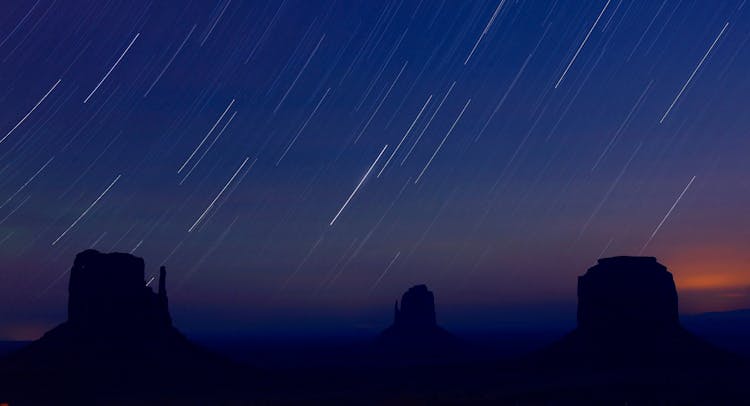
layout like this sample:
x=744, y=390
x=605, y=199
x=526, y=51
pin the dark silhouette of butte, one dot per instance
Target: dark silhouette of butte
x=628, y=316
x=118, y=332
x=415, y=332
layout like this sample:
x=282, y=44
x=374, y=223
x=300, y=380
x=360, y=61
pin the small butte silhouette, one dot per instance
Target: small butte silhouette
x=415, y=334
x=118, y=346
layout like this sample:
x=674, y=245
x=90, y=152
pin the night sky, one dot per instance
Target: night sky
x=298, y=164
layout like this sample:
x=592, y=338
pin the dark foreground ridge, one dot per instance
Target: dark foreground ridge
x=118, y=335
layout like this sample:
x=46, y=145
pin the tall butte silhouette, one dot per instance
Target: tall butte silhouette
x=118, y=337
x=628, y=317
x=415, y=333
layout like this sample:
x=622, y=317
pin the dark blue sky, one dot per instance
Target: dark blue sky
x=296, y=165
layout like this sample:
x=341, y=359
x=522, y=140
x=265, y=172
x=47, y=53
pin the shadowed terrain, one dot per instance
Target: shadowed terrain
x=119, y=346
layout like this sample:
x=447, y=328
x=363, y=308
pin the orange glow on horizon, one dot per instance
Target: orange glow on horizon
x=711, y=278
x=712, y=281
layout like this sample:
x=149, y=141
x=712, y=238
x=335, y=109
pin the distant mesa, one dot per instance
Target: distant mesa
x=113, y=314
x=118, y=332
x=627, y=294
x=107, y=294
x=415, y=332
x=628, y=316
x=417, y=312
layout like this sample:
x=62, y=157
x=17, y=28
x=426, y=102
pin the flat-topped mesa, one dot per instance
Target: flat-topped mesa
x=118, y=338
x=627, y=317
x=108, y=291
x=633, y=294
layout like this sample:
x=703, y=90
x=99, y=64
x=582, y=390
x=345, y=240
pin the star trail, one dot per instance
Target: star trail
x=288, y=155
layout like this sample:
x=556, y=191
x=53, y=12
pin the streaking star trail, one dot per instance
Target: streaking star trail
x=286, y=155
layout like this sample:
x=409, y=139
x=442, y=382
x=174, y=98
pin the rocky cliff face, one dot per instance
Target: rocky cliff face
x=108, y=292
x=417, y=309
x=628, y=316
x=627, y=294
x=118, y=337
x=112, y=314
x=415, y=333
